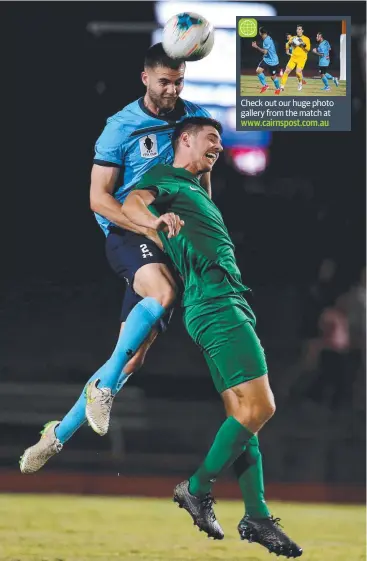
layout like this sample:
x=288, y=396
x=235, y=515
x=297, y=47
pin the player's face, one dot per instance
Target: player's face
x=288, y=36
x=206, y=146
x=164, y=85
x=318, y=38
x=299, y=31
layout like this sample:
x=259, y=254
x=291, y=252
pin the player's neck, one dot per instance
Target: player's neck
x=181, y=162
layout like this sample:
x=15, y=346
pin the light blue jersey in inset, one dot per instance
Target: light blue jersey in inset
x=135, y=140
x=324, y=48
x=271, y=57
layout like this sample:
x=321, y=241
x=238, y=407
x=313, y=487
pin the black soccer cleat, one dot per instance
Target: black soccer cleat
x=200, y=510
x=267, y=532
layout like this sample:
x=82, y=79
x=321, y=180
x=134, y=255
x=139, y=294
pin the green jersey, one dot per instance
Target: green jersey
x=203, y=252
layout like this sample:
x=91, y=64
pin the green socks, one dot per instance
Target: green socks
x=228, y=444
x=249, y=471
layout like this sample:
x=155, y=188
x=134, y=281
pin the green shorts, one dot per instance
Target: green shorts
x=224, y=329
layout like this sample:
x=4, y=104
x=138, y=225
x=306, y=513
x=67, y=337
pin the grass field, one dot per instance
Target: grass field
x=250, y=85
x=65, y=528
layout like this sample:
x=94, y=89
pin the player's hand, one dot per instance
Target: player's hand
x=170, y=223
x=254, y=44
x=314, y=51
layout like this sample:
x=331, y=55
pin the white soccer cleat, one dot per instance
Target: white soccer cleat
x=36, y=456
x=299, y=87
x=98, y=408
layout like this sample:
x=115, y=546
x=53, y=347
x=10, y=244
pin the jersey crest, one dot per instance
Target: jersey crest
x=148, y=146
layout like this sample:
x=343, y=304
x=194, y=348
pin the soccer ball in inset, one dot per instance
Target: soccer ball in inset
x=188, y=36
x=296, y=41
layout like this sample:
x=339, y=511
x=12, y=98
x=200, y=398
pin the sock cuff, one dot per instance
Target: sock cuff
x=153, y=307
x=242, y=432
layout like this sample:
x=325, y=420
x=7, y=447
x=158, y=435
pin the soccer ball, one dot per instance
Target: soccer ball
x=188, y=36
x=296, y=41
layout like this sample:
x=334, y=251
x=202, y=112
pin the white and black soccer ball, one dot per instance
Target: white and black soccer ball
x=188, y=36
x=296, y=41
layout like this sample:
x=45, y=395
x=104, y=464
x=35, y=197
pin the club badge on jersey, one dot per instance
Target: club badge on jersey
x=148, y=146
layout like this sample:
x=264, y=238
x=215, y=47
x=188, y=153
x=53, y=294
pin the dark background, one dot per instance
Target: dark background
x=60, y=303
x=250, y=57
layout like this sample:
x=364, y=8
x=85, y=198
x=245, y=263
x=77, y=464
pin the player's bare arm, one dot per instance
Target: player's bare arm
x=136, y=210
x=256, y=46
x=103, y=180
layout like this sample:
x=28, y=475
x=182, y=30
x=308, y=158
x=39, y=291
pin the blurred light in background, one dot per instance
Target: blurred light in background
x=211, y=82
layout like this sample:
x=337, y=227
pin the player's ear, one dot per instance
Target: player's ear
x=144, y=78
x=185, y=138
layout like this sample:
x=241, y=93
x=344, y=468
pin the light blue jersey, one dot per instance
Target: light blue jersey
x=271, y=57
x=324, y=48
x=135, y=140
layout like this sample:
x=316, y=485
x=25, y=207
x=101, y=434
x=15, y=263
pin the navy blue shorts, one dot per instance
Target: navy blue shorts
x=273, y=70
x=126, y=253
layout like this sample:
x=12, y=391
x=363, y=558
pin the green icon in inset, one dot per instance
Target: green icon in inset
x=247, y=27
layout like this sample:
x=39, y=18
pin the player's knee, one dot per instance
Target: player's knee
x=259, y=71
x=166, y=295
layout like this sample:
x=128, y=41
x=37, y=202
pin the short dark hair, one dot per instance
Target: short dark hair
x=288, y=34
x=299, y=25
x=156, y=56
x=319, y=33
x=191, y=124
x=263, y=30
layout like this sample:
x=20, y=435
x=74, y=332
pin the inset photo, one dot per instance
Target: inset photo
x=293, y=58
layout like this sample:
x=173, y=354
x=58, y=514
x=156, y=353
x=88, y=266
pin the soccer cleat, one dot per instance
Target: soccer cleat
x=281, y=88
x=267, y=532
x=325, y=89
x=98, y=408
x=277, y=92
x=299, y=87
x=264, y=88
x=200, y=510
x=36, y=456
x=336, y=82
x=304, y=82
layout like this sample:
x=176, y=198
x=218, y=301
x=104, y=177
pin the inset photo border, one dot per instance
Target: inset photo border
x=293, y=73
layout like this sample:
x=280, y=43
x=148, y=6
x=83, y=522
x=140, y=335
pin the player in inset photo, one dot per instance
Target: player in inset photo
x=289, y=50
x=323, y=52
x=301, y=46
x=269, y=61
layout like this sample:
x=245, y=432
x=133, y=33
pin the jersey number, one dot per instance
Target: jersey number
x=145, y=251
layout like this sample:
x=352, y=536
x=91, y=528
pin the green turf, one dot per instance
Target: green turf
x=250, y=85
x=64, y=528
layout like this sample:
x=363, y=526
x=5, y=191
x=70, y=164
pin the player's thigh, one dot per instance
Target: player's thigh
x=300, y=65
x=142, y=264
x=226, y=334
x=292, y=63
x=156, y=280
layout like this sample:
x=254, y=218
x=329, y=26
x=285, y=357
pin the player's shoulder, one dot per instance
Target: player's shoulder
x=128, y=115
x=156, y=174
x=194, y=110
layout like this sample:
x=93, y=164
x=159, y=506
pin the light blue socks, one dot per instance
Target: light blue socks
x=139, y=324
x=324, y=79
x=262, y=78
x=277, y=83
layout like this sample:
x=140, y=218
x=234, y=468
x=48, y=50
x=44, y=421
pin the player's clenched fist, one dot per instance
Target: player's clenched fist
x=170, y=223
